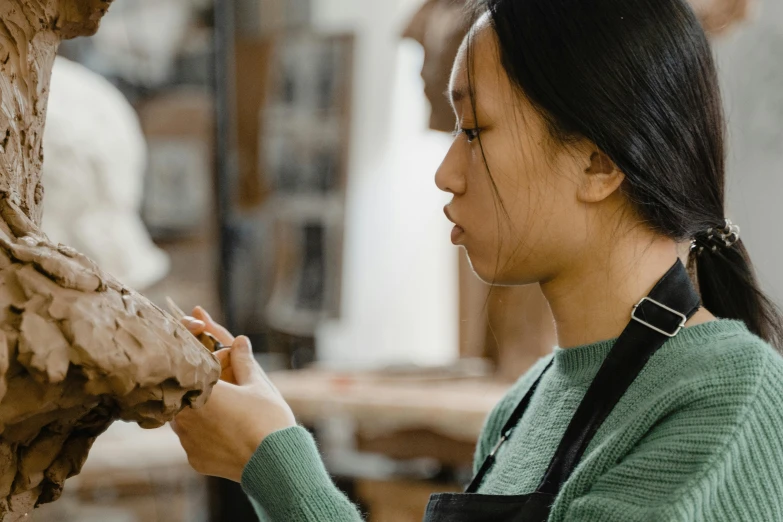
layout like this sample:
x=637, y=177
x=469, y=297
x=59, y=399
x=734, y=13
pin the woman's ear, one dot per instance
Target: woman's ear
x=600, y=179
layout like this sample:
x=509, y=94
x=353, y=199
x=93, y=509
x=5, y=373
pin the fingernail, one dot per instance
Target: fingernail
x=192, y=322
x=243, y=343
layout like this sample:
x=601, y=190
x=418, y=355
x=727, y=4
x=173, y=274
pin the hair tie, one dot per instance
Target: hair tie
x=715, y=238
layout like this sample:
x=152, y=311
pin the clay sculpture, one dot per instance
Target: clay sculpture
x=78, y=350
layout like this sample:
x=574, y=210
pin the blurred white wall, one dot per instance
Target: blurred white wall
x=751, y=70
x=400, y=300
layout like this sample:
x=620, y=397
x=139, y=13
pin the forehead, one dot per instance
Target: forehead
x=477, y=66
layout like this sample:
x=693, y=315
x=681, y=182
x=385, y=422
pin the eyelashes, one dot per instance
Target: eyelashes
x=470, y=134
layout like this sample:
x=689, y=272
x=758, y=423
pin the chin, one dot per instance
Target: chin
x=485, y=271
x=488, y=273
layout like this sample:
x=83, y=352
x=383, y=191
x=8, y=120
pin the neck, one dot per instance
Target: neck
x=592, y=301
x=27, y=52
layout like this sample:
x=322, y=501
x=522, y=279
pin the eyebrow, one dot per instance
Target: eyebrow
x=456, y=95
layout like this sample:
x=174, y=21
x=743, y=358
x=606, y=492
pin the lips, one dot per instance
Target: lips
x=448, y=215
x=457, y=232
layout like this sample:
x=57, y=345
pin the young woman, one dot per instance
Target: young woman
x=590, y=150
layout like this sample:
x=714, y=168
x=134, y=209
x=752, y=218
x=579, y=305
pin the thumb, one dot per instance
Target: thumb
x=246, y=369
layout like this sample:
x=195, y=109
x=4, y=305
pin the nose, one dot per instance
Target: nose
x=450, y=176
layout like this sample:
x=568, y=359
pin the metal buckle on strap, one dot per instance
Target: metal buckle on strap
x=683, y=318
x=503, y=439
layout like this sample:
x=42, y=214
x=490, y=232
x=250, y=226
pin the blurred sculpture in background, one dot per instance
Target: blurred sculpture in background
x=719, y=16
x=439, y=26
x=78, y=349
x=512, y=326
x=139, y=42
x=93, y=170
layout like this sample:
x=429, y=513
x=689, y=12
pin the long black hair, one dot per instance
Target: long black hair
x=638, y=79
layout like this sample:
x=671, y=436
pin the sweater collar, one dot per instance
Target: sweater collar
x=583, y=362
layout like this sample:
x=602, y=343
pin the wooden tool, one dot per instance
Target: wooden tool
x=207, y=339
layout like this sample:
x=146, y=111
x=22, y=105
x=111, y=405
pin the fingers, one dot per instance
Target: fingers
x=245, y=367
x=224, y=356
x=226, y=372
x=221, y=334
x=194, y=326
x=238, y=366
x=243, y=363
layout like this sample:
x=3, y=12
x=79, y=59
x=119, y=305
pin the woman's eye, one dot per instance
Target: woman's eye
x=470, y=134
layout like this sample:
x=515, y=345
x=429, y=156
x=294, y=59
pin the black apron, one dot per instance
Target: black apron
x=654, y=320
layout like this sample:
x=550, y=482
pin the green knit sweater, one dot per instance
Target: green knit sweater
x=697, y=437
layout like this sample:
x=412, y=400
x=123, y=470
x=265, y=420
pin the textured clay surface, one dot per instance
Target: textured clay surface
x=77, y=349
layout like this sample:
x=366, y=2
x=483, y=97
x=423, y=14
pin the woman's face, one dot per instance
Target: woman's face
x=533, y=221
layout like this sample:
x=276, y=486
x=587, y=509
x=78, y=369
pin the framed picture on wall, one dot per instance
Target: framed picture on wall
x=305, y=121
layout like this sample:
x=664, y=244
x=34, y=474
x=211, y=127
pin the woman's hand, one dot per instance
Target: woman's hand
x=244, y=408
x=201, y=322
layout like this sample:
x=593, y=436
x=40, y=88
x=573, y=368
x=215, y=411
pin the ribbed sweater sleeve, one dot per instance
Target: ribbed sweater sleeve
x=288, y=482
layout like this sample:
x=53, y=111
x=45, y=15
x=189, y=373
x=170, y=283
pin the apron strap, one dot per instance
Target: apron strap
x=505, y=433
x=654, y=320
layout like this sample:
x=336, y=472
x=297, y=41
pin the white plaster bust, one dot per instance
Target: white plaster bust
x=93, y=171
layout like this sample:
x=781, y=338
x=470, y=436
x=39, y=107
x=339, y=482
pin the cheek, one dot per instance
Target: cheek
x=484, y=222
x=521, y=236
x=523, y=188
x=499, y=204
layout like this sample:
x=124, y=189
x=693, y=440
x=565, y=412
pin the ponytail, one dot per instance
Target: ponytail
x=729, y=290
